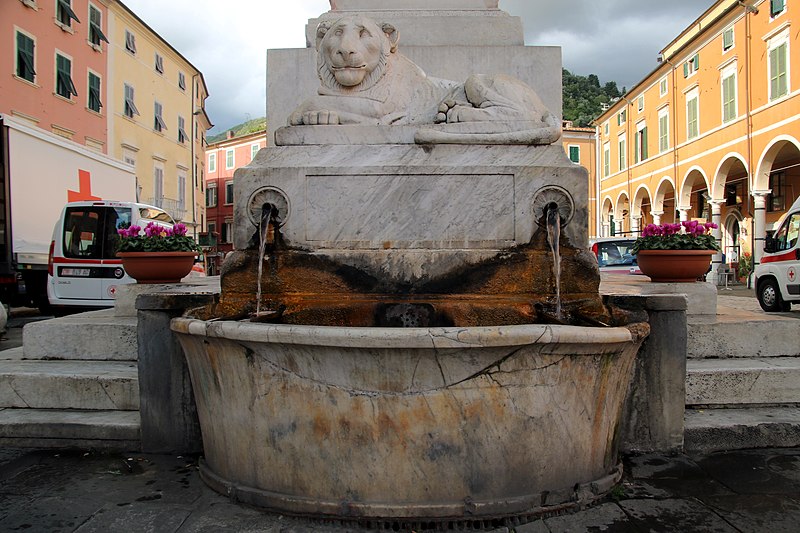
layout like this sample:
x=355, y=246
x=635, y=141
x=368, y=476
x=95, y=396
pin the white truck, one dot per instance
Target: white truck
x=777, y=275
x=39, y=173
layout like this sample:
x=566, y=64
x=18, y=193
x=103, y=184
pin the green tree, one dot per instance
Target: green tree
x=584, y=96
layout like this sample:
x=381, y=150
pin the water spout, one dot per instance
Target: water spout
x=266, y=235
x=553, y=238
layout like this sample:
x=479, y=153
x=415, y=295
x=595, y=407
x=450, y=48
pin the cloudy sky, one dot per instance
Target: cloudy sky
x=227, y=40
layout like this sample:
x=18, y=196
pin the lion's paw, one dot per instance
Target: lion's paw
x=315, y=118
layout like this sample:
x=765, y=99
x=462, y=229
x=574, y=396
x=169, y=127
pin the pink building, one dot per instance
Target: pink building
x=222, y=160
x=53, y=74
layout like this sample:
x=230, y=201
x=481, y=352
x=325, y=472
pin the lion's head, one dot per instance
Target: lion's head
x=352, y=52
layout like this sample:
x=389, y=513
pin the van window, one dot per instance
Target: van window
x=614, y=253
x=786, y=238
x=155, y=214
x=90, y=232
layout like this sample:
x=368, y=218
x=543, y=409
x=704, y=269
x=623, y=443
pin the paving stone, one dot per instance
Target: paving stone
x=756, y=471
x=663, y=476
x=607, y=517
x=139, y=517
x=533, y=527
x=674, y=515
x=757, y=513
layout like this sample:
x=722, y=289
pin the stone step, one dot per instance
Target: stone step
x=765, y=380
x=95, y=335
x=743, y=334
x=101, y=385
x=711, y=430
x=45, y=428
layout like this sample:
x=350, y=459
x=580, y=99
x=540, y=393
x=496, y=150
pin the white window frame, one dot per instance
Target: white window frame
x=640, y=103
x=16, y=54
x=781, y=12
x=158, y=184
x=663, y=134
x=622, y=116
x=215, y=194
x=254, y=148
x=228, y=231
x=181, y=190
x=55, y=75
x=569, y=154
x=228, y=183
x=89, y=74
x=101, y=36
x=641, y=153
x=622, y=148
x=692, y=67
x=773, y=43
x=728, y=30
x=181, y=81
x=130, y=42
x=605, y=128
x=158, y=63
x=693, y=95
x=606, y=159
x=727, y=73
x=663, y=86
x=128, y=101
x=158, y=117
x=211, y=226
x=212, y=162
x=230, y=159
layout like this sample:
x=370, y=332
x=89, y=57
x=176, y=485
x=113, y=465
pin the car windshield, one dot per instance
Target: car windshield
x=614, y=253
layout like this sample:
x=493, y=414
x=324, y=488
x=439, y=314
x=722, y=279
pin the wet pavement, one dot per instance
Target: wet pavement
x=51, y=491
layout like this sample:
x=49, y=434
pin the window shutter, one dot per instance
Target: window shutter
x=696, y=60
x=686, y=70
x=644, y=143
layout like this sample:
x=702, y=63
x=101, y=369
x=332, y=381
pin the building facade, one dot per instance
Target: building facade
x=712, y=133
x=158, y=120
x=222, y=159
x=581, y=147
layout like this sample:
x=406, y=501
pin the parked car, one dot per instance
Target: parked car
x=777, y=276
x=614, y=255
x=83, y=269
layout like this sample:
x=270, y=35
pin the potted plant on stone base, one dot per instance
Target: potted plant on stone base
x=157, y=255
x=675, y=252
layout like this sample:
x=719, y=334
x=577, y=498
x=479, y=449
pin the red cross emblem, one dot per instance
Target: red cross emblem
x=791, y=274
x=112, y=291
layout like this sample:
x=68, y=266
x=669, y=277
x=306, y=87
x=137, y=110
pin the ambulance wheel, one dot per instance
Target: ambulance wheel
x=769, y=297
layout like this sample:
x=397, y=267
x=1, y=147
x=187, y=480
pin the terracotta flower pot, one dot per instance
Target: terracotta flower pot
x=157, y=267
x=682, y=266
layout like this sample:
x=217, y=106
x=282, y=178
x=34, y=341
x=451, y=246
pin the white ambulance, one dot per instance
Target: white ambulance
x=83, y=269
x=777, y=276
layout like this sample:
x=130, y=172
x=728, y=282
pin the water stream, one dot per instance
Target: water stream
x=267, y=215
x=553, y=238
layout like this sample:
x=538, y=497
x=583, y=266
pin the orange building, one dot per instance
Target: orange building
x=581, y=148
x=55, y=74
x=712, y=133
x=222, y=160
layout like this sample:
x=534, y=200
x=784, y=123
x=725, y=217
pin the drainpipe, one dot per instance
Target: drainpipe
x=193, y=163
x=674, y=105
x=749, y=125
x=598, y=202
x=628, y=170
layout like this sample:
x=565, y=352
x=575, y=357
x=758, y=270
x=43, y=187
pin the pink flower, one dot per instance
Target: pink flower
x=179, y=229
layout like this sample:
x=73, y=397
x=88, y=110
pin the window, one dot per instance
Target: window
x=776, y=201
x=729, y=94
x=734, y=193
x=254, y=150
x=227, y=232
x=787, y=235
x=130, y=42
x=663, y=130
x=776, y=7
x=182, y=137
x=181, y=192
x=64, y=13
x=574, y=153
x=159, y=66
x=702, y=204
x=623, y=152
x=64, y=86
x=622, y=117
x=25, y=57
x=94, y=102
x=640, y=143
x=95, y=26
x=640, y=103
x=212, y=162
x=182, y=81
x=605, y=128
x=692, y=114
x=158, y=117
x=229, y=192
x=211, y=227
x=130, y=107
x=606, y=160
x=158, y=186
x=663, y=87
x=727, y=39
x=778, y=73
x=229, y=159
x=211, y=196
x=691, y=66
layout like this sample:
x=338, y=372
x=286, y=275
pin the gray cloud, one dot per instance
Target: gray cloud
x=618, y=40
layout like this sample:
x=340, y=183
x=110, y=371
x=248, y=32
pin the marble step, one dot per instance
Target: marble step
x=99, y=385
x=711, y=430
x=46, y=428
x=765, y=380
x=95, y=335
x=736, y=335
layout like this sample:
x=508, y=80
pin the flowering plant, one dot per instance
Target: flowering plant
x=688, y=235
x=155, y=239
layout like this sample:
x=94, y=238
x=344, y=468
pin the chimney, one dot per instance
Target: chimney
x=231, y=134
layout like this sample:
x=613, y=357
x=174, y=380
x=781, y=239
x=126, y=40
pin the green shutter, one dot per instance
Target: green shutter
x=644, y=143
x=696, y=60
x=727, y=39
x=776, y=7
x=25, y=57
x=686, y=70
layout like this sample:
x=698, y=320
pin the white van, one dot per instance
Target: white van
x=83, y=270
x=777, y=276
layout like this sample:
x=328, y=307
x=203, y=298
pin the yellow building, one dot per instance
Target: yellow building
x=581, y=148
x=157, y=121
x=712, y=133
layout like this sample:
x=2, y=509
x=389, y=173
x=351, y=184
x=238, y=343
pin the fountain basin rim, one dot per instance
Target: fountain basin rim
x=381, y=337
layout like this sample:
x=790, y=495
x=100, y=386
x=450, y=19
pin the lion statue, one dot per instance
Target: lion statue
x=365, y=80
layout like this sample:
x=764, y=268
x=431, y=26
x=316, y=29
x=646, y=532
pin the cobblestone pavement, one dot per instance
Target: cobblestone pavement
x=48, y=491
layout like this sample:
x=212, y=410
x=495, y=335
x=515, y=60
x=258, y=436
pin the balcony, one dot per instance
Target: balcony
x=175, y=208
